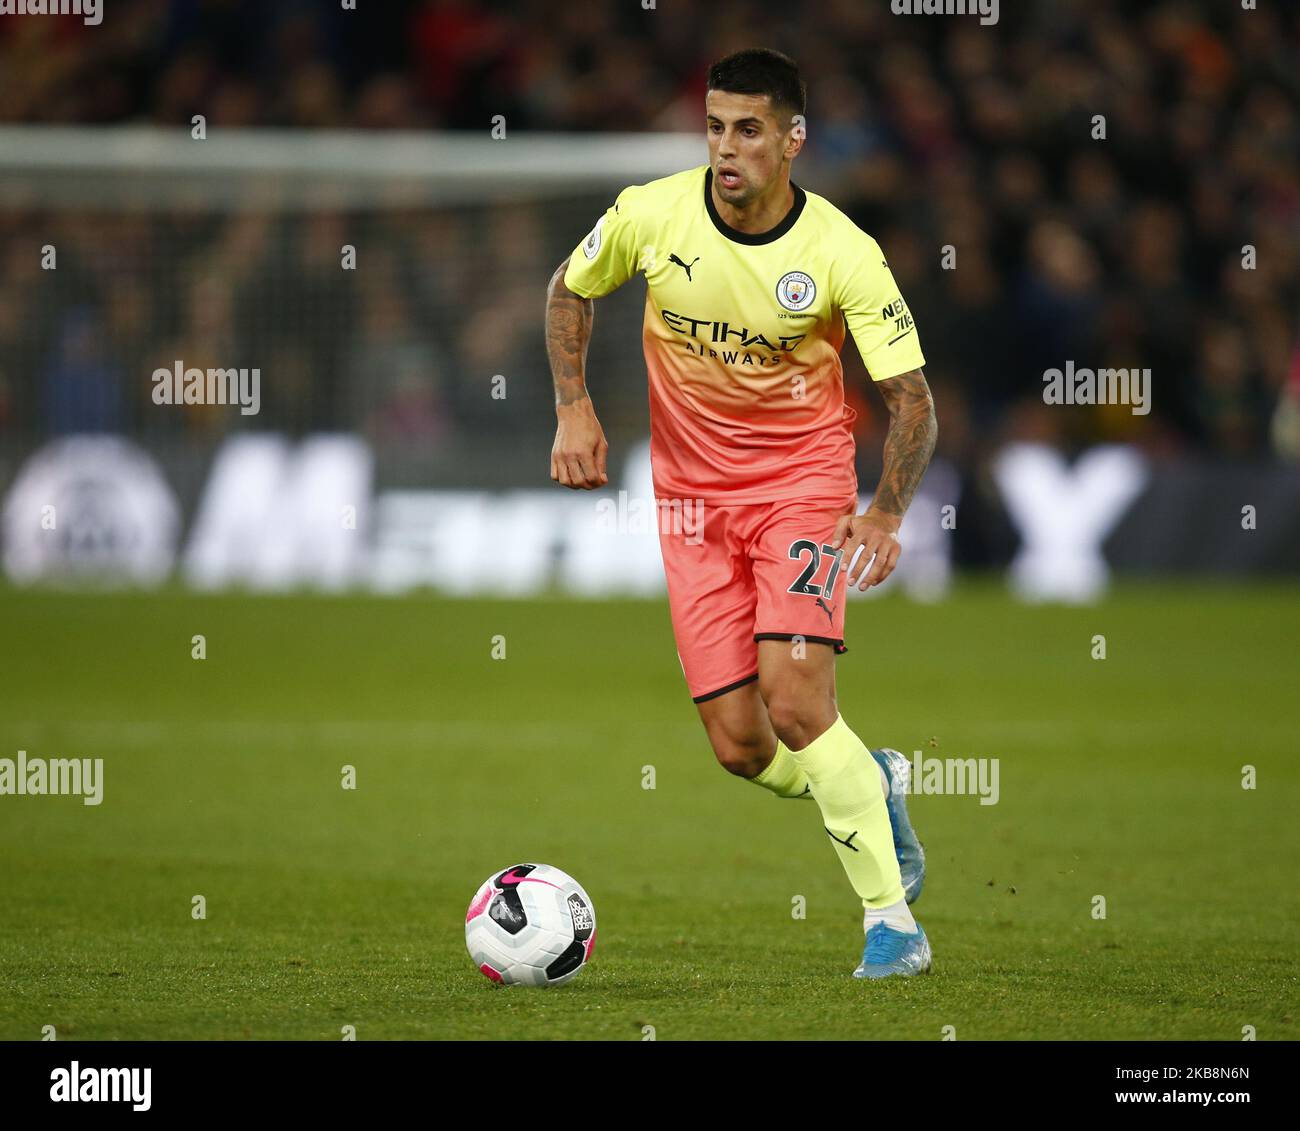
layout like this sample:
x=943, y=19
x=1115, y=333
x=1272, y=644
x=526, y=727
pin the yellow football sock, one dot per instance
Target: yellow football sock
x=845, y=784
x=783, y=775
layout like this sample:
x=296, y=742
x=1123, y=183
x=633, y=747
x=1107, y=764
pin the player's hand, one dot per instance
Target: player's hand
x=876, y=533
x=578, y=457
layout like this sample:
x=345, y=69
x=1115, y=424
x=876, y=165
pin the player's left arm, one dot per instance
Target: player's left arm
x=909, y=444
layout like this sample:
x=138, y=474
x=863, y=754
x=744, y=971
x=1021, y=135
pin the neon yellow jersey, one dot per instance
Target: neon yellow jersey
x=742, y=337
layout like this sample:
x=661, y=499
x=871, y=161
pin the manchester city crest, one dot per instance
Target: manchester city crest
x=796, y=290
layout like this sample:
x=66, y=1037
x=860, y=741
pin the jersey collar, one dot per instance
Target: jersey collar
x=772, y=234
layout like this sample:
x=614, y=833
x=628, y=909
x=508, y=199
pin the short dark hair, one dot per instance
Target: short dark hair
x=759, y=70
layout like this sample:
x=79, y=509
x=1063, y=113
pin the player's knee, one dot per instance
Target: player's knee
x=740, y=752
x=798, y=719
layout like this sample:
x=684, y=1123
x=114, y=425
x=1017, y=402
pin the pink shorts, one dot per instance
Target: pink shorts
x=741, y=574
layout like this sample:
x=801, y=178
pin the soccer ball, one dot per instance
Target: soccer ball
x=531, y=925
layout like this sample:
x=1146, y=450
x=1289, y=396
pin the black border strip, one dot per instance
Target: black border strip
x=753, y=238
x=724, y=690
x=181, y=1077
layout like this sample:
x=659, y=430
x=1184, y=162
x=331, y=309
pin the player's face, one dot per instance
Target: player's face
x=748, y=143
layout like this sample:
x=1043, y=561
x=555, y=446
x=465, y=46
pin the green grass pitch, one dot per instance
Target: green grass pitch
x=326, y=908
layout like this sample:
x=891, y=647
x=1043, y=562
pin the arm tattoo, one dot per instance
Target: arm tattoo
x=909, y=443
x=569, y=320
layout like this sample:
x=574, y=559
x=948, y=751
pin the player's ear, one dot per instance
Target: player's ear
x=795, y=139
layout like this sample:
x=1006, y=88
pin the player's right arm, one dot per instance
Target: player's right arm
x=605, y=260
x=579, y=453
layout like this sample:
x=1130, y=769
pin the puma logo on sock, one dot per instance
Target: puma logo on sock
x=847, y=843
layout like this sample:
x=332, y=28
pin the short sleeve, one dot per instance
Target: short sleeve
x=608, y=257
x=876, y=314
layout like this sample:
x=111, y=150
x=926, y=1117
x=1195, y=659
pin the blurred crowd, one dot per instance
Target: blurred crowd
x=1170, y=243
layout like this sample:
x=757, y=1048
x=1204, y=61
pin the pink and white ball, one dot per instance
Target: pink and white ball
x=531, y=925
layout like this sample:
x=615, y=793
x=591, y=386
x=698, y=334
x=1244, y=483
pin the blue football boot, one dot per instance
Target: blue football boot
x=890, y=951
x=911, y=856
